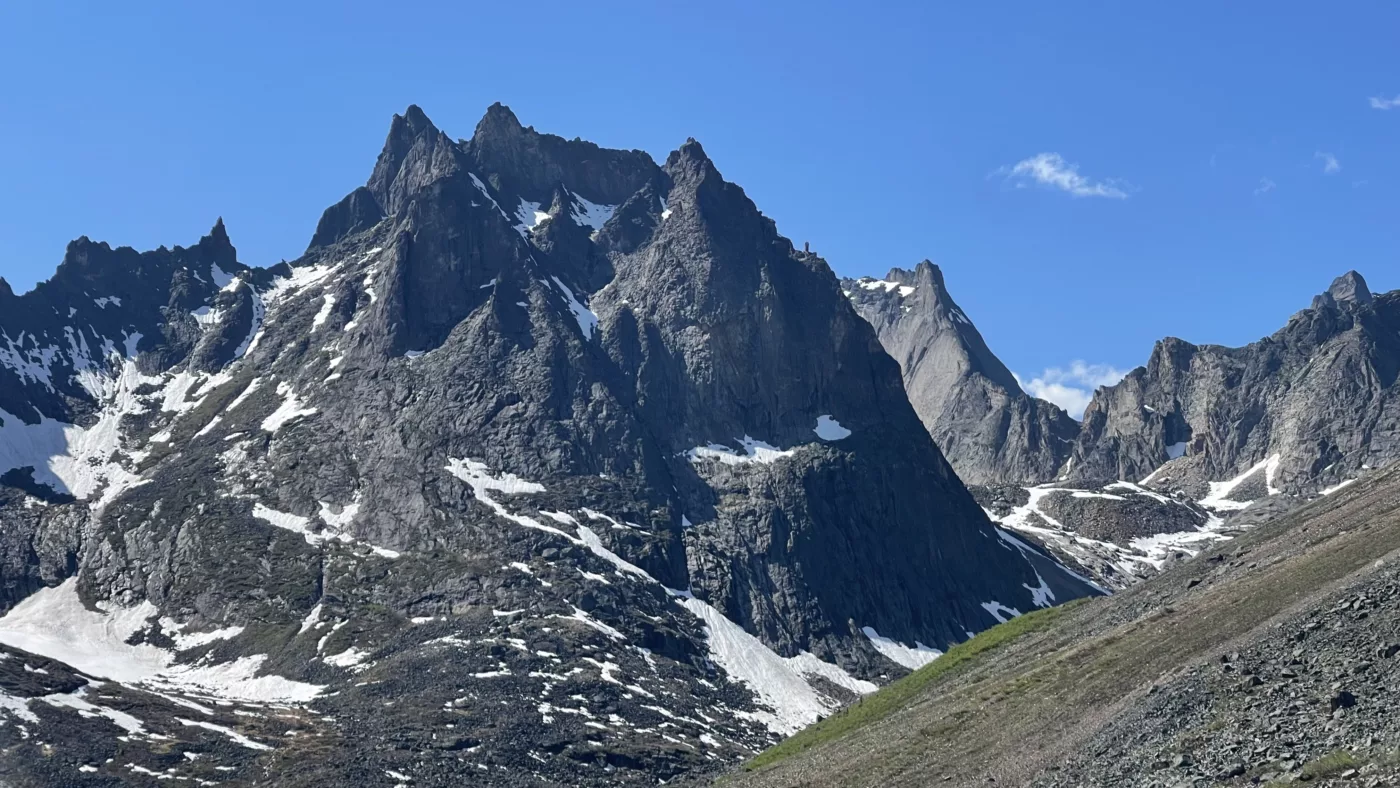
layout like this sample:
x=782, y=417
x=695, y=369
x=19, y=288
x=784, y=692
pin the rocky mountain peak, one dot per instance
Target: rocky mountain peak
x=415, y=154
x=926, y=273
x=498, y=122
x=689, y=157
x=989, y=429
x=1350, y=287
x=217, y=246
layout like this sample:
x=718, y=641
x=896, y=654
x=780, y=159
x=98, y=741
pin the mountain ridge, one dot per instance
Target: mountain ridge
x=599, y=493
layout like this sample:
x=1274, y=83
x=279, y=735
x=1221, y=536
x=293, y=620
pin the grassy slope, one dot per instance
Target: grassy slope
x=874, y=707
x=1012, y=708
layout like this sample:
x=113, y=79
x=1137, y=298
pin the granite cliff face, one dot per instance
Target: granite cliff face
x=545, y=464
x=1302, y=410
x=990, y=430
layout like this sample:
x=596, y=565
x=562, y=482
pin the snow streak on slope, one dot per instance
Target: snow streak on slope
x=587, y=318
x=779, y=683
x=914, y=657
x=1219, y=499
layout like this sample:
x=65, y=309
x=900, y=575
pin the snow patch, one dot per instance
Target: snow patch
x=590, y=214
x=1000, y=612
x=237, y=737
x=528, y=216
x=1336, y=487
x=754, y=450
x=913, y=658
x=327, y=304
x=829, y=429
x=587, y=319
x=779, y=684
x=887, y=286
x=289, y=409
x=1217, y=497
x=54, y=623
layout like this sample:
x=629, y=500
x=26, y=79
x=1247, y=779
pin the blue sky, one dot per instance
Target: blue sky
x=1090, y=176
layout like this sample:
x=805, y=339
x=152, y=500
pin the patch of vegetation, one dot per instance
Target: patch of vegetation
x=899, y=693
x=1331, y=764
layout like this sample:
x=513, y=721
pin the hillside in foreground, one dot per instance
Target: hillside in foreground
x=1271, y=659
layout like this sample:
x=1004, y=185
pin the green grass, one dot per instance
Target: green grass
x=899, y=693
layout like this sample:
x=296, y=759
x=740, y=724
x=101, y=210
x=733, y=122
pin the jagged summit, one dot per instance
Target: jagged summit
x=536, y=437
x=499, y=121
x=1350, y=287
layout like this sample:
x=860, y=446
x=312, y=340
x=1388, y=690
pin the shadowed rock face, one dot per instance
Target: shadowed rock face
x=545, y=463
x=990, y=430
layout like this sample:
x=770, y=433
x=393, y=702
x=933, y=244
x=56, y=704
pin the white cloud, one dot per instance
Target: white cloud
x=1265, y=186
x=1385, y=103
x=1330, y=165
x=1071, y=388
x=1050, y=169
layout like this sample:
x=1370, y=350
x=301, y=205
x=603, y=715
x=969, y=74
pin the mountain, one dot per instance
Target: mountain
x=1197, y=446
x=544, y=464
x=1270, y=660
x=989, y=429
x=1296, y=412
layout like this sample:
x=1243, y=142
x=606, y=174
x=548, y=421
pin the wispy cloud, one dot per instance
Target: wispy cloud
x=1385, y=103
x=1050, y=169
x=1330, y=165
x=1071, y=388
x=1265, y=186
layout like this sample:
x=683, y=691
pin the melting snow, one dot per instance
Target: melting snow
x=1000, y=611
x=529, y=216
x=1217, y=498
x=753, y=451
x=913, y=658
x=587, y=320
x=289, y=409
x=591, y=214
x=779, y=683
x=55, y=623
x=1176, y=450
x=877, y=284
x=829, y=429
